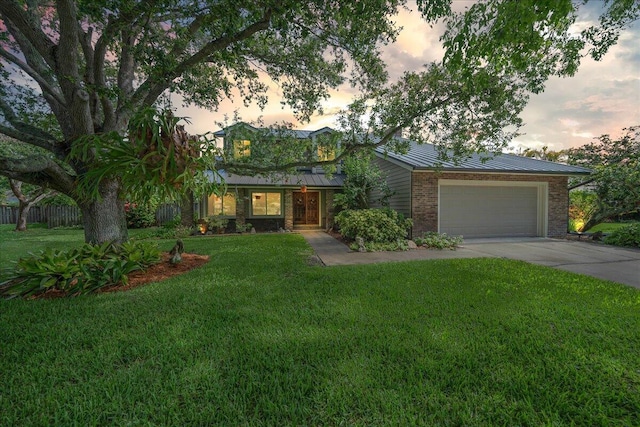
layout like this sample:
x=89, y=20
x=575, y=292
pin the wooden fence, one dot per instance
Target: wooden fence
x=66, y=216
x=54, y=216
x=166, y=213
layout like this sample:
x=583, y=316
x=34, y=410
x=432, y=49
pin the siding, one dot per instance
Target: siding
x=399, y=181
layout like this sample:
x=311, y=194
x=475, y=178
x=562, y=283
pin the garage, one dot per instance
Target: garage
x=491, y=209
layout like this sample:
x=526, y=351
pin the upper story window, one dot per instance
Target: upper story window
x=241, y=148
x=326, y=154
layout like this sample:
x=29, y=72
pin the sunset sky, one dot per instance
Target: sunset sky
x=603, y=97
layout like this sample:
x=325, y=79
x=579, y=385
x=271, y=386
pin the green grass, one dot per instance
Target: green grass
x=608, y=227
x=258, y=337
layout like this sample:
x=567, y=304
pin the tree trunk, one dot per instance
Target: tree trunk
x=24, y=204
x=186, y=210
x=104, y=220
x=23, y=211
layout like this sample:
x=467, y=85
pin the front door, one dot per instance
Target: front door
x=306, y=207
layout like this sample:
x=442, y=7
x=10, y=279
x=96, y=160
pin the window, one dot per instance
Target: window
x=266, y=204
x=241, y=148
x=225, y=205
x=326, y=154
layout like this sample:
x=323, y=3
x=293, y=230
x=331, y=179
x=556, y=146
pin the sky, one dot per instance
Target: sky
x=601, y=98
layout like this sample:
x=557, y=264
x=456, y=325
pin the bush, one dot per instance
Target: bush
x=399, y=245
x=78, y=271
x=434, y=240
x=373, y=225
x=165, y=232
x=140, y=215
x=625, y=236
x=583, y=205
x=217, y=222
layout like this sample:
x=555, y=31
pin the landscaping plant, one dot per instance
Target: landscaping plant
x=141, y=215
x=374, y=226
x=628, y=235
x=433, y=240
x=77, y=271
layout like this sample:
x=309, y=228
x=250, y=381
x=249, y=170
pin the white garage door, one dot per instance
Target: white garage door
x=489, y=211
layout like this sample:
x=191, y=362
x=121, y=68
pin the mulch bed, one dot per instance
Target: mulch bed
x=161, y=271
x=156, y=273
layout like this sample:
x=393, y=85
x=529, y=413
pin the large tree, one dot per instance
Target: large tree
x=616, y=174
x=96, y=64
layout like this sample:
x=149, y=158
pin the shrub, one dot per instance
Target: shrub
x=583, y=205
x=140, y=215
x=373, y=225
x=398, y=245
x=628, y=235
x=217, y=222
x=431, y=239
x=243, y=227
x=78, y=271
x=165, y=232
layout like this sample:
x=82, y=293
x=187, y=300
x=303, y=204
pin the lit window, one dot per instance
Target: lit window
x=265, y=204
x=225, y=205
x=241, y=148
x=326, y=154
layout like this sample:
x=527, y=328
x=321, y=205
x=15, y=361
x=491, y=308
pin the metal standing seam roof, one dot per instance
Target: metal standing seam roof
x=290, y=181
x=425, y=157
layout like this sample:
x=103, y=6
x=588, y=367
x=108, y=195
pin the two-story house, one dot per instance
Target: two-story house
x=504, y=196
x=301, y=200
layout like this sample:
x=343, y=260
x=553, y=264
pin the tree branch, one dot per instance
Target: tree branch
x=19, y=17
x=38, y=170
x=44, y=85
x=25, y=132
x=153, y=87
x=99, y=58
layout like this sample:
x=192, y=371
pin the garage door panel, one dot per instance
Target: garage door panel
x=489, y=211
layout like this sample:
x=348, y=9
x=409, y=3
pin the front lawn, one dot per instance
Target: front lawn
x=608, y=227
x=258, y=337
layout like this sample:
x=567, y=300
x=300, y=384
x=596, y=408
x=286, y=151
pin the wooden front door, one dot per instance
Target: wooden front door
x=306, y=209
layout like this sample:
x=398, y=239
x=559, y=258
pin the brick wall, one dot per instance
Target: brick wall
x=424, y=198
x=558, y=206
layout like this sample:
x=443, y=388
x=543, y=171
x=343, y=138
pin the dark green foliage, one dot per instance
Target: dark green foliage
x=164, y=232
x=77, y=271
x=140, y=215
x=616, y=173
x=398, y=245
x=373, y=225
x=625, y=236
x=363, y=179
x=434, y=240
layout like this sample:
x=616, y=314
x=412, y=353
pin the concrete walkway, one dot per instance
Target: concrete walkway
x=605, y=262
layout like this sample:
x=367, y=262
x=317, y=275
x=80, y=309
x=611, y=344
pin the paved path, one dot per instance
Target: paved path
x=605, y=262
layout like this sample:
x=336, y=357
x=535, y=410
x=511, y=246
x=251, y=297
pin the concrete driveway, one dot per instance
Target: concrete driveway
x=597, y=260
x=602, y=261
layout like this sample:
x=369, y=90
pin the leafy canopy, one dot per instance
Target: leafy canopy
x=616, y=166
